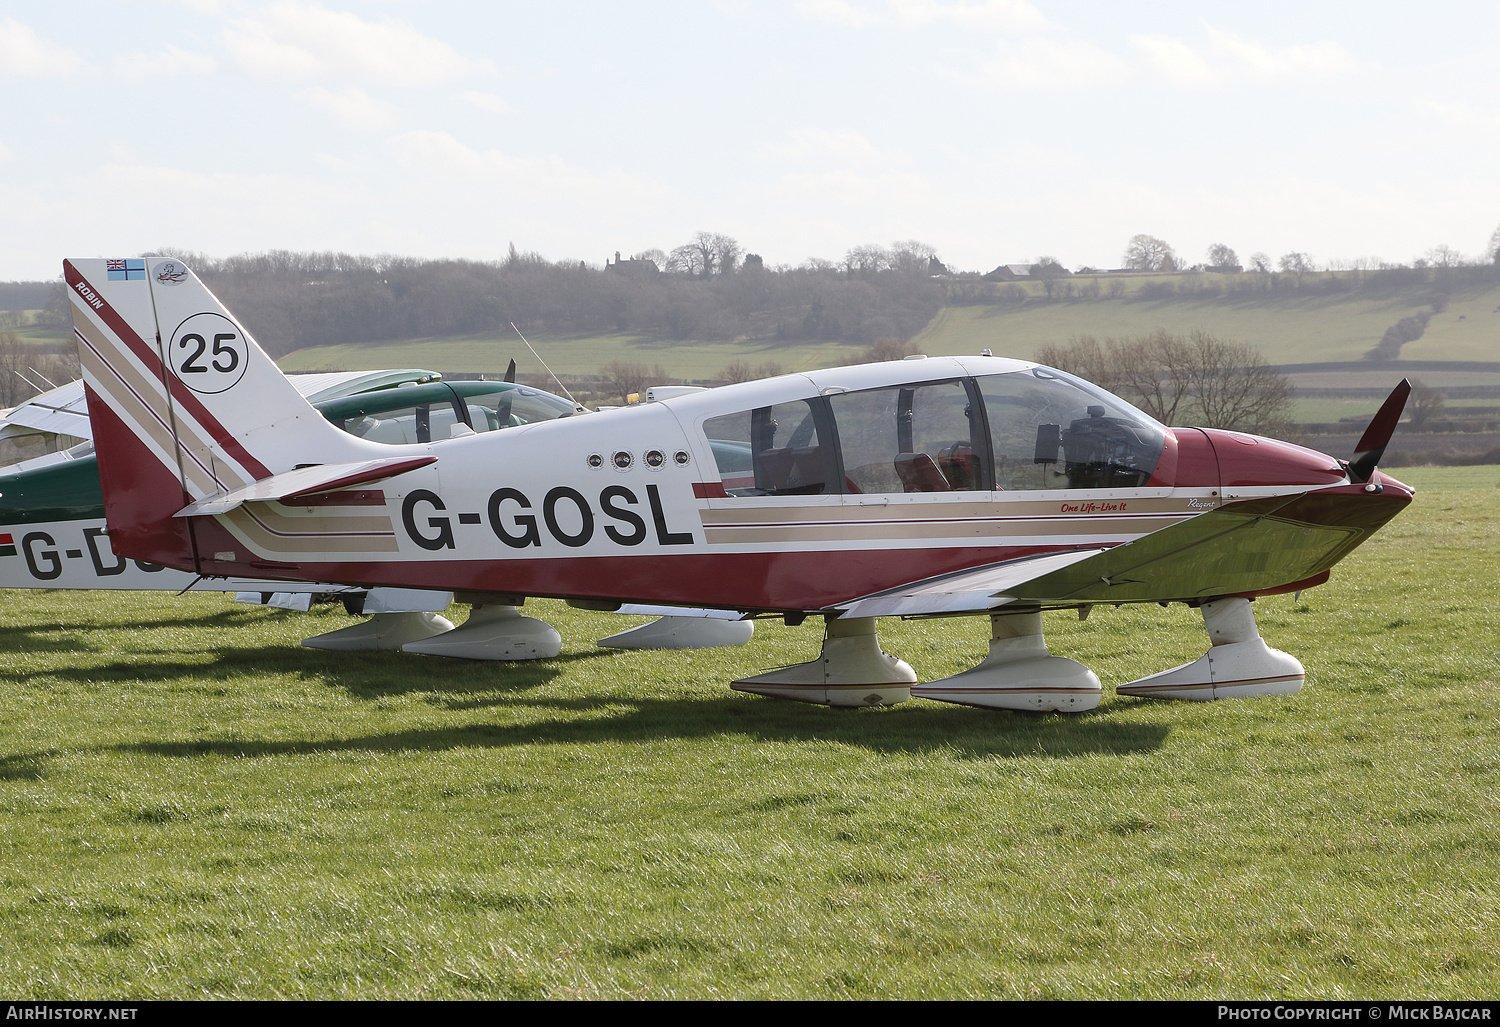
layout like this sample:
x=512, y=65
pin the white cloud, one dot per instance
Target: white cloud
x=203, y=6
x=24, y=54
x=5, y=152
x=353, y=107
x=1461, y=115
x=305, y=41
x=824, y=146
x=437, y=156
x=1052, y=64
x=492, y=102
x=853, y=190
x=839, y=12
x=1226, y=57
x=169, y=63
x=991, y=15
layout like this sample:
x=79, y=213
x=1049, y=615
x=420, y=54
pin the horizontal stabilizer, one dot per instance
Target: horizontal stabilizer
x=303, y=482
x=968, y=591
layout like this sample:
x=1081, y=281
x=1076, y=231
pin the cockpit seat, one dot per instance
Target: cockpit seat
x=957, y=464
x=919, y=473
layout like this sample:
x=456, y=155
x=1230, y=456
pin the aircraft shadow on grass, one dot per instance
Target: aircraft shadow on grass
x=1008, y=735
x=72, y=635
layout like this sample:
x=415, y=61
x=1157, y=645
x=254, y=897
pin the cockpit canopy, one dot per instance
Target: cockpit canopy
x=1024, y=430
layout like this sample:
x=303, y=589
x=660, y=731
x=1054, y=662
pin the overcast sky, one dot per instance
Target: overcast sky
x=996, y=131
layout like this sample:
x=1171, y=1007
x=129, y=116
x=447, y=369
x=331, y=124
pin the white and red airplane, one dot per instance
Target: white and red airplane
x=916, y=488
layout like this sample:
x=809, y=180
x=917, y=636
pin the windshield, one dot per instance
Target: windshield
x=1049, y=430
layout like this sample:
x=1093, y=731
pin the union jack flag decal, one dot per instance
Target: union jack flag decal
x=125, y=270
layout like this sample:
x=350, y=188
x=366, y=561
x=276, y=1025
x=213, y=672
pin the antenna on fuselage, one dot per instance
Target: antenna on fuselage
x=578, y=408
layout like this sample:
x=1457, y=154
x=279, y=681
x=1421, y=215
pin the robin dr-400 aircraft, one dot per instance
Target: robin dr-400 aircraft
x=917, y=488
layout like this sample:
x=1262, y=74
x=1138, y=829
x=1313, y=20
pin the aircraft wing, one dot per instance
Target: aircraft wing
x=303, y=482
x=968, y=591
x=1236, y=549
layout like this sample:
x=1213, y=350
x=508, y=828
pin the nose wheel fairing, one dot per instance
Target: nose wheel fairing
x=1238, y=666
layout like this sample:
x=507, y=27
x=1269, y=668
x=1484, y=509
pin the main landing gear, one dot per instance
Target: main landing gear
x=498, y=631
x=1020, y=674
x=850, y=671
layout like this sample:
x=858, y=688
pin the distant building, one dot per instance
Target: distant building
x=632, y=267
x=1010, y=273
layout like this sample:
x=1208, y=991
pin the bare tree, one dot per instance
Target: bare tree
x=1260, y=262
x=1424, y=404
x=741, y=371
x=1296, y=263
x=737, y=371
x=1494, y=247
x=914, y=258
x=26, y=370
x=625, y=378
x=1232, y=386
x=707, y=254
x=888, y=348
x=1183, y=379
x=1148, y=253
x=1223, y=257
x=866, y=261
x=686, y=259
x=1445, y=256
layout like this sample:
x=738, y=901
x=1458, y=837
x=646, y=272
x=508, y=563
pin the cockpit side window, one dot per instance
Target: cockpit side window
x=771, y=451
x=1049, y=430
x=910, y=438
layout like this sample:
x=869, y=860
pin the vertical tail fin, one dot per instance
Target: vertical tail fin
x=185, y=404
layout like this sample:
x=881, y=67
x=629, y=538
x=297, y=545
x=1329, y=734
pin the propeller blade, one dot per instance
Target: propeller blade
x=1373, y=442
x=510, y=373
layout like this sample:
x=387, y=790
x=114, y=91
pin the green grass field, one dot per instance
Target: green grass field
x=191, y=806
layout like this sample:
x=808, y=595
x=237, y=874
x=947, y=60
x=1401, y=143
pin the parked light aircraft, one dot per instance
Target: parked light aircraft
x=917, y=488
x=53, y=535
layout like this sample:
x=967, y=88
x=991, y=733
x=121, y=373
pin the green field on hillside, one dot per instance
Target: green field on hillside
x=571, y=355
x=1286, y=329
x=191, y=806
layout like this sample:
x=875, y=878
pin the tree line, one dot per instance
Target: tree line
x=291, y=300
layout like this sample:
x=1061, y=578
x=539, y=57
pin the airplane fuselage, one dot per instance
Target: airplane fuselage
x=640, y=504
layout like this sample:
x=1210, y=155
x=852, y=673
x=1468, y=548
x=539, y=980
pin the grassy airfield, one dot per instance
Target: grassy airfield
x=193, y=807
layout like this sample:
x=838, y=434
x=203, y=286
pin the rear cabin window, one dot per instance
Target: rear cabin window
x=771, y=451
x=913, y=438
